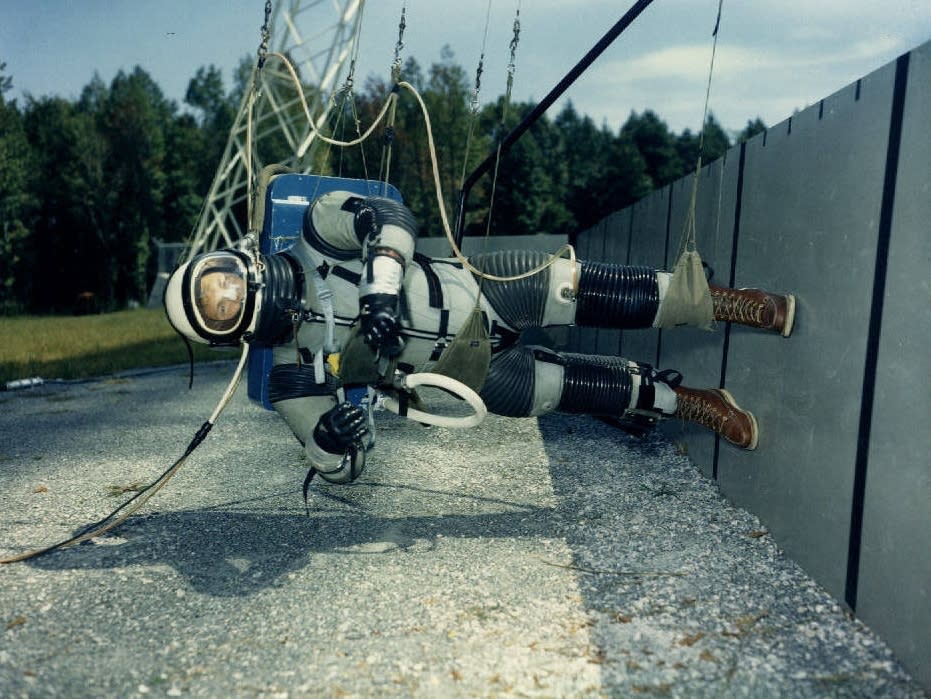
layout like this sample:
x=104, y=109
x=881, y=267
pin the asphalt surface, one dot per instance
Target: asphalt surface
x=555, y=557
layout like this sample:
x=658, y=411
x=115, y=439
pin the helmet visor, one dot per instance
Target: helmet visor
x=219, y=285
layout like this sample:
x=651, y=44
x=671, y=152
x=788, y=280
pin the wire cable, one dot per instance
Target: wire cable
x=444, y=218
x=137, y=501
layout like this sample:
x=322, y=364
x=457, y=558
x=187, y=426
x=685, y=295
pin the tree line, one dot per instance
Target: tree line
x=88, y=185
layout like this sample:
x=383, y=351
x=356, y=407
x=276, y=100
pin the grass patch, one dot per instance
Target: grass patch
x=81, y=347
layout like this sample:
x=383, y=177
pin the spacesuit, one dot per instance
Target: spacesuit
x=354, y=280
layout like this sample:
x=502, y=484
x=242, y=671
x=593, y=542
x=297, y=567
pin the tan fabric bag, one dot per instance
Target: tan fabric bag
x=688, y=300
x=468, y=356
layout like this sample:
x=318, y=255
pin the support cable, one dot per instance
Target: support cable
x=545, y=104
x=688, y=242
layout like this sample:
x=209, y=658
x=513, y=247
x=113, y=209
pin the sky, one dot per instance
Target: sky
x=772, y=57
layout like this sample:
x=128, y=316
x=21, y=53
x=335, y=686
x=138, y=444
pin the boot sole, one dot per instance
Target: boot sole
x=790, y=315
x=754, y=426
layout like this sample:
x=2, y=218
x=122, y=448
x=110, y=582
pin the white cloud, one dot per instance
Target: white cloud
x=692, y=62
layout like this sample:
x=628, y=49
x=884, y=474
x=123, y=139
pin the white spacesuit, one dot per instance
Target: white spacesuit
x=354, y=284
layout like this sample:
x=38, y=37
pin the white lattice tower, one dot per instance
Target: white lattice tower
x=319, y=54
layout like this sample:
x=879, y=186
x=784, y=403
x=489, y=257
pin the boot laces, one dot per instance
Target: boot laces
x=740, y=307
x=699, y=409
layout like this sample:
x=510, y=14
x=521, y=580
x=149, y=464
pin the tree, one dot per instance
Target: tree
x=217, y=112
x=132, y=123
x=714, y=141
x=446, y=94
x=6, y=81
x=626, y=176
x=17, y=203
x=528, y=196
x=188, y=174
x=752, y=128
x=656, y=145
x=62, y=138
x=603, y=172
x=86, y=185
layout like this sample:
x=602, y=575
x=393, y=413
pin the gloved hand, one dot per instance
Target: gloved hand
x=381, y=328
x=340, y=427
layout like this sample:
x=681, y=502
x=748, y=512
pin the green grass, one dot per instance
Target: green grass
x=80, y=347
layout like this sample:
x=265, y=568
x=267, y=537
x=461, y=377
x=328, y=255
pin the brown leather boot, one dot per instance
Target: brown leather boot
x=755, y=308
x=717, y=410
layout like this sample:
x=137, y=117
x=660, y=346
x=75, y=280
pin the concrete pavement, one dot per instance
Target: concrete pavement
x=554, y=558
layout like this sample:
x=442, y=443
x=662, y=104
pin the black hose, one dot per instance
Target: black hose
x=287, y=381
x=520, y=303
x=509, y=387
x=616, y=296
x=595, y=385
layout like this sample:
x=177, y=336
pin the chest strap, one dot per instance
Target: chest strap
x=325, y=297
x=346, y=275
x=434, y=288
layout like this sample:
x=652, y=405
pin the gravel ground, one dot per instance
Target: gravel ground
x=555, y=558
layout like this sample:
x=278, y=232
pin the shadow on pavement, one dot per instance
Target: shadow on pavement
x=220, y=553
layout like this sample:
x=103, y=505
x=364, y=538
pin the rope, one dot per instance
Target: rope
x=512, y=66
x=444, y=218
x=389, y=102
x=384, y=168
x=689, y=241
x=473, y=100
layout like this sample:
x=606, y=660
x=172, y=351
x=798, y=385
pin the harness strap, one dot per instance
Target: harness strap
x=442, y=332
x=347, y=275
x=444, y=323
x=404, y=303
x=325, y=296
x=434, y=287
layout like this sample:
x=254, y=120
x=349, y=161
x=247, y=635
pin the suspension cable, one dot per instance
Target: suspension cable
x=689, y=238
x=392, y=98
x=505, y=108
x=387, y=151
x=261, y=56
x=473, y=97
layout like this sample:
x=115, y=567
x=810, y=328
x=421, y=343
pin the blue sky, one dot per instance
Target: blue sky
x=773, y=57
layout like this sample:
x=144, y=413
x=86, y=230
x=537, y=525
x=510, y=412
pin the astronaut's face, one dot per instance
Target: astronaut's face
x=221, y=295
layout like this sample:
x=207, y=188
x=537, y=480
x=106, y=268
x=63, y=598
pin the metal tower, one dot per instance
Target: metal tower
x=318, y=56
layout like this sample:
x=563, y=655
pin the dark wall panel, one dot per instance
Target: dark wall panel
x=822, y=206
x=616, y=242
x=647, y=247
x=698, y=353
x=809, y=217
x=894, y=591
x=589, y=246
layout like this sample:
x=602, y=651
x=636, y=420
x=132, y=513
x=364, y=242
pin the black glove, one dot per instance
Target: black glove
x=381, y=328
x=340, y=428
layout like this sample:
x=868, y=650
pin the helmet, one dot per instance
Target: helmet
x=223, y=297
x=211, y=299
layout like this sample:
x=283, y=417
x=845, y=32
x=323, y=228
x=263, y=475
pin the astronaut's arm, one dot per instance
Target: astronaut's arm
x=333, y=434
x=384, y=232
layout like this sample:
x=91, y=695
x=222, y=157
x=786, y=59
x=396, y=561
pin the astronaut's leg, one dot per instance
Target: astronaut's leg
x=527, y=381
x=605, y=295
x=619, y=296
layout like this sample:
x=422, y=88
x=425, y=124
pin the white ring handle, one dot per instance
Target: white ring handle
x=439, y=381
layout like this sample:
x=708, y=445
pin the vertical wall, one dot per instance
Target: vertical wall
x=698, y=353
x=833, y=204
x=894, y=567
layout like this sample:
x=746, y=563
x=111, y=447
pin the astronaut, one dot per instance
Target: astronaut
x=353, y=284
